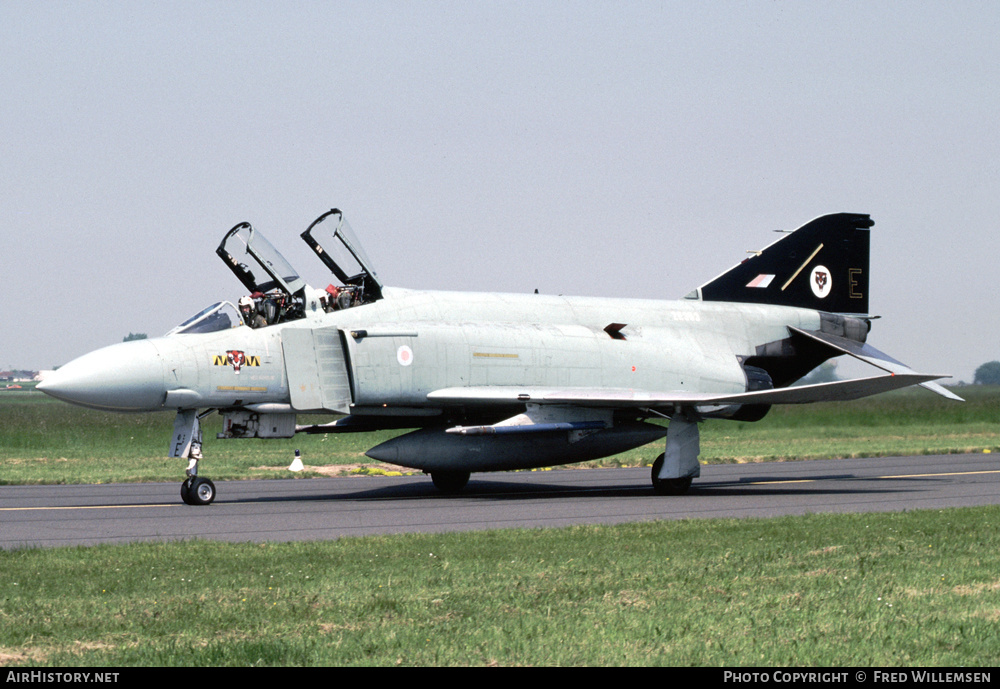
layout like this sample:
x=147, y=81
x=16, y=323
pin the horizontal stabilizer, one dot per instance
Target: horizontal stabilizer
x=841, y=390
x=870, y=355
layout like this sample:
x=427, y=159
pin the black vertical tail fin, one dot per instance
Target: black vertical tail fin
x=822, y=265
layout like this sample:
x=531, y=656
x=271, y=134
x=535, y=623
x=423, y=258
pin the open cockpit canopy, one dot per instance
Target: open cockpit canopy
x=342, y=253
x=256, y=263
x=276, y=292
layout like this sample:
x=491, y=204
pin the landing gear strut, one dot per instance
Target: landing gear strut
x=187, y=443
x=674, y=469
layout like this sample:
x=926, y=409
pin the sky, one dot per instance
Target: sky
x=633, y=149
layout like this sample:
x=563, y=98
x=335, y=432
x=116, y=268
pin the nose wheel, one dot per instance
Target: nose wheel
x=197, y=491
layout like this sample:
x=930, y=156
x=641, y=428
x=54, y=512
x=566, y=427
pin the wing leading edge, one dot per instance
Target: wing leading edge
x=628, y=399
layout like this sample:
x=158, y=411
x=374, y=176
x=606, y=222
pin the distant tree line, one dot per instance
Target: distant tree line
x=988, y=374
x=134, y=336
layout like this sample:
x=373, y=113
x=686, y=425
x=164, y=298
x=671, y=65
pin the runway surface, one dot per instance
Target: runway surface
x=329, y=508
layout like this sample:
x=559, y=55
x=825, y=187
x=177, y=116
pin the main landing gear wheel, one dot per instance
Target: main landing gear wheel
x=197, y=491
x=668, y=486
x=450, y=481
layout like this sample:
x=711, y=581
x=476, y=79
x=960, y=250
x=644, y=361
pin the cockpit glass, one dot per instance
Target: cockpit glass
x=220, y=316
x=331, y=237
x=257, y=263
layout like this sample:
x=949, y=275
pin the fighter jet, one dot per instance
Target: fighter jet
x=498, y=382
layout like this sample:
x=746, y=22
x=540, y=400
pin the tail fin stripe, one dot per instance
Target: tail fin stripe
x=801, y=267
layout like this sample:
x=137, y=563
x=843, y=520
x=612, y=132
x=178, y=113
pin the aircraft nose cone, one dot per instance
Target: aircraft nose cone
x=122, y=377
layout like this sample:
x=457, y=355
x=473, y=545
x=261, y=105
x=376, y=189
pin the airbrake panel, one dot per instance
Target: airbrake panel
x=317, y=369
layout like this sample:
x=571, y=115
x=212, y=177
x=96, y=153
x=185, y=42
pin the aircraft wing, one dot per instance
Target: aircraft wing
x=628, y=398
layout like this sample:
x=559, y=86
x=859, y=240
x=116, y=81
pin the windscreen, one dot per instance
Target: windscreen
x=220, y=316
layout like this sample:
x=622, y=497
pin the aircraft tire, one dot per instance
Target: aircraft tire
x=450, y=481
x=197, y=491
x=186, y=492
x=668, y=486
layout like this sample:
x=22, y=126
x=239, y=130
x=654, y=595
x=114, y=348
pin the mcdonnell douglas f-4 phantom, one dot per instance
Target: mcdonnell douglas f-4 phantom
x=495, y=382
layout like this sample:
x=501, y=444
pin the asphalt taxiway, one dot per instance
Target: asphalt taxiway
x=330, y=508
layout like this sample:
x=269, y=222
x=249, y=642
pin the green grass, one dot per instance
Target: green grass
x=905, y=422
x=46, y=441
x=917, y=589
x=911, y=589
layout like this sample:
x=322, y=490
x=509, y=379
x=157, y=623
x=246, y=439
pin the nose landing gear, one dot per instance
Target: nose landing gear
x=195, y=490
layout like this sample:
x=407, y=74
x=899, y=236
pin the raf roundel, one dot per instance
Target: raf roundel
x=404, y=355
x=820, y=281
